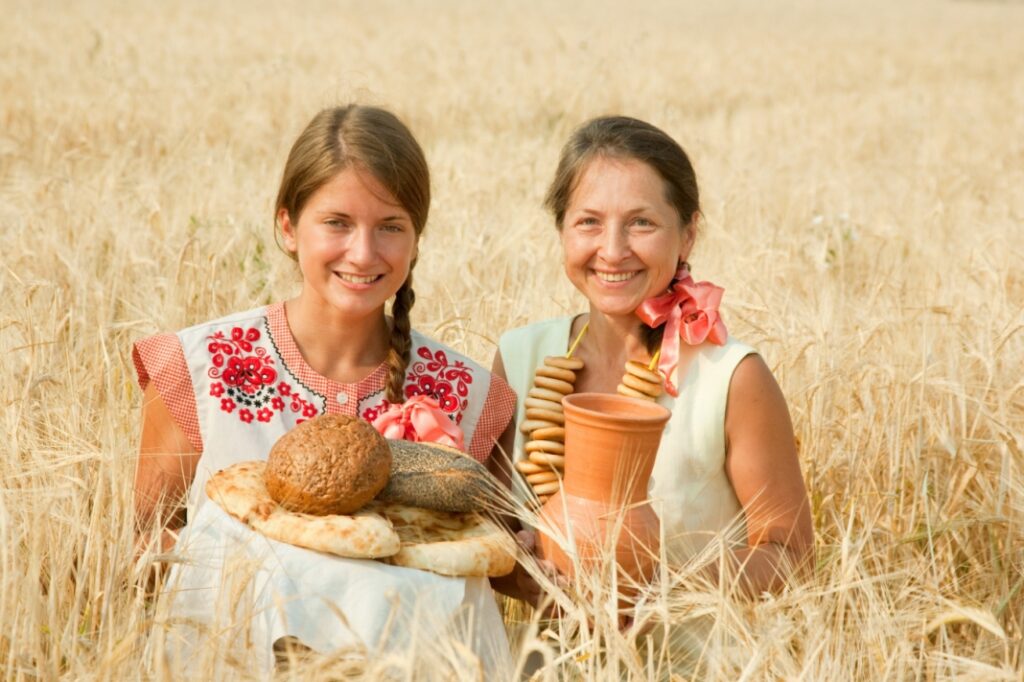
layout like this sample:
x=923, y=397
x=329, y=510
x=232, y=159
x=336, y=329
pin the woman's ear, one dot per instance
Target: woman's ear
x=287, y=231
x=689, y=236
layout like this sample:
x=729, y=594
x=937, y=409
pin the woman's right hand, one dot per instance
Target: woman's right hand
x=519, y=584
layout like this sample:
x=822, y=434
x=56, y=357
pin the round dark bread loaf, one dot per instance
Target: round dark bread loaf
x=436, y=477
x=332, y=464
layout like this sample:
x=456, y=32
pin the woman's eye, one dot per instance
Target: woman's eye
x=335, y=223
x=390, y=227
x=588, y=221
x=643, y=222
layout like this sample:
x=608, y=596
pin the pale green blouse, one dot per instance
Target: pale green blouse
x=689, y=487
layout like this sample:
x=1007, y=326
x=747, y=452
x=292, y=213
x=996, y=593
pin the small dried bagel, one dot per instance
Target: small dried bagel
x=638, y=384
x=641, y=371
x=545, y=415
x=531, y=425
x=549, y=446
x=528, y=468
x=542, y=477
x=547, y=459
x=550, y=433
x=562, y=362
x=545, y=394
x=541, y=404
x=547, y=488
x=622, y=389
x=557, y=373
x=557, y=385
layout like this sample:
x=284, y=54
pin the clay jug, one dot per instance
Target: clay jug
x=610, y=445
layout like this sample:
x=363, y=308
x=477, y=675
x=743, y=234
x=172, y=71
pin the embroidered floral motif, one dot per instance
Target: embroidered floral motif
x=371, y=413
x=447, y=382
x=245, y=373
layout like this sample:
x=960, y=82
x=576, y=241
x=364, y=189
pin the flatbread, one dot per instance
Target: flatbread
x=449, y=543
x=241, y=492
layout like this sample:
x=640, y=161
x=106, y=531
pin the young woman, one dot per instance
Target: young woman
x=626, y=206
x=352, y=205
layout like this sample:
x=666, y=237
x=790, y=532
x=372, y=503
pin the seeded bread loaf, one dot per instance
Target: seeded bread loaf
x=332, y=464
x=436, y=477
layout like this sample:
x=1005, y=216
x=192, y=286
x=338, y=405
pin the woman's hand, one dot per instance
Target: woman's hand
x=519, y=584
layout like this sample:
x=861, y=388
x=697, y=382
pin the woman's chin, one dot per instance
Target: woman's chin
x=614, y=308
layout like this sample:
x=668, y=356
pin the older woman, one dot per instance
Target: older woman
x=626, y=206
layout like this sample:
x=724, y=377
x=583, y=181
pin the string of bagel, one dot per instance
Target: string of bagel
x=544, y=426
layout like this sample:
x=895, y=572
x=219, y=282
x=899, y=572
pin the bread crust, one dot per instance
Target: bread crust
x=332, y=464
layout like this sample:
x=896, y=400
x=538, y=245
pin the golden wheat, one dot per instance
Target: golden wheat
x=861, y=167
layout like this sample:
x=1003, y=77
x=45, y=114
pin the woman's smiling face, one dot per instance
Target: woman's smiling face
x=354, y=243
x=622, y=239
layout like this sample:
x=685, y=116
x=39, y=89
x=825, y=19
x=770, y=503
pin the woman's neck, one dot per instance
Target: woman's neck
x=342, y=348
x=616, y=335
x=608, y=343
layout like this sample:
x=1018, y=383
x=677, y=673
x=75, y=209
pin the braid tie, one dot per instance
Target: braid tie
x=401, y=341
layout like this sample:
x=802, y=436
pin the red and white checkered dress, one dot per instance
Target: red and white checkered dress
x=237, y=384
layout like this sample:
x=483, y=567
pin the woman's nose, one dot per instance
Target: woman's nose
x=615, y=244
x=362, y=248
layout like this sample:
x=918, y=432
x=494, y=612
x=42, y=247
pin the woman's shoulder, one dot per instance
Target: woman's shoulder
x=478, y=401
x=254, y=318
x=428, y=349
x=537, y=331
x=247, y=319
x=437, y=368
x=732, y=349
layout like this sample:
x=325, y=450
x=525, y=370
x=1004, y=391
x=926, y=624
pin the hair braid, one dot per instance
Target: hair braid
x=652, y=338
x=401, y=340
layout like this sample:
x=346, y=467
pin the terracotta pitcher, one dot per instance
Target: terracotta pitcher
x=610, y=445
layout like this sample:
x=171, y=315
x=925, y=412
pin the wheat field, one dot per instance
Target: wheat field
x=861, y=167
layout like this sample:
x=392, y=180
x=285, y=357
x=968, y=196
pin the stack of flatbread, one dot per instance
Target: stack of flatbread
x=448, y=543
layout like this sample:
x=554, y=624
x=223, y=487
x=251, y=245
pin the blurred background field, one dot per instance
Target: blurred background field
x=861, y=164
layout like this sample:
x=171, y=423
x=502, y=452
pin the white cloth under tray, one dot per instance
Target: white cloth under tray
x=244, y=590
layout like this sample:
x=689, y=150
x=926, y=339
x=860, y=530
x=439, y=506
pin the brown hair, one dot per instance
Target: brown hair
x=376, y=141
x=627, y=138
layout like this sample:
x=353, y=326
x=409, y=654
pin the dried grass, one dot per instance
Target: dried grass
x=861, y=166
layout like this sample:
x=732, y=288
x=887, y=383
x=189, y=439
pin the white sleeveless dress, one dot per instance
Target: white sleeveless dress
x=234, y=386
x=689, y=488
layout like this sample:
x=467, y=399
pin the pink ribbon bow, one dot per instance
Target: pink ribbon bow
x=421, y=420
x=689, y=310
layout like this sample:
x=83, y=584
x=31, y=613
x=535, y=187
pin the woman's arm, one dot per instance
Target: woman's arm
x=500, y=461
x=518, y=584
x=166, y=467
x=761, y=462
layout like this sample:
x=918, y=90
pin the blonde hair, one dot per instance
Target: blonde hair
x=376, y=141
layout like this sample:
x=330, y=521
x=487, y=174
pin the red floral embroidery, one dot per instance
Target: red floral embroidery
x=447, y=382
x=247, y=376
x=371, y=413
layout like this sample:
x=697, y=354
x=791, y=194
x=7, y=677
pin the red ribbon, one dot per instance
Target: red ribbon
x=421, y=420
x=689, y=310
